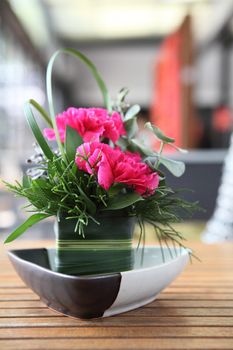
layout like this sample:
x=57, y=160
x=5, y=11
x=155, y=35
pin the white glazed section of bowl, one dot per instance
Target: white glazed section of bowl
x=141, y=286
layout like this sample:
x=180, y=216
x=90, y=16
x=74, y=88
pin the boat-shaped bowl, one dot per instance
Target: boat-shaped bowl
x=102, y=295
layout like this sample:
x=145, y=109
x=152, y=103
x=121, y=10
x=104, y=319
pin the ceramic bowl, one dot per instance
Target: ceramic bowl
x=99, y=295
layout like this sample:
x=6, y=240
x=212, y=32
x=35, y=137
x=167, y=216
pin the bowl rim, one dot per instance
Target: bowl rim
x=183, y=252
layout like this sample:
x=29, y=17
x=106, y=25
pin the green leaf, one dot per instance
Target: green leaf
x=42, y=183
x=123, y=143
x=73, y=140
x=177, y=168
x=122, y=201
x=28, y=223
x=181, y=150
x=41, y=110
x=90, y=205
x=26, y=181
x=122, y=94
x=96, y=75
x=158, y=133
x=132, y=111
x=89, y=64
x=36, y=131
x=141, y=147
x=115, y=189
x=131, y=127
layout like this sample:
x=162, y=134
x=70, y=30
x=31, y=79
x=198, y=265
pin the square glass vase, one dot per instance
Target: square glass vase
x=106, y=247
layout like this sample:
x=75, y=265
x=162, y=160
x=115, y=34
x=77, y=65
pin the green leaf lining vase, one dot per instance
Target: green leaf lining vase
x=105, y=248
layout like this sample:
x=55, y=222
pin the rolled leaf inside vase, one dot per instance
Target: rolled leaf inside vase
x=105, y=248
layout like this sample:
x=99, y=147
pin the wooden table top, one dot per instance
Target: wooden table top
x=195, y=312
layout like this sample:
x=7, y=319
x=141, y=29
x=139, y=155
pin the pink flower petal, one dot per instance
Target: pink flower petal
x=105, y=175
x=92, y=124
x=49, y=134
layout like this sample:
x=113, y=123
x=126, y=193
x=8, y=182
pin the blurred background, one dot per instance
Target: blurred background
x=175, y=56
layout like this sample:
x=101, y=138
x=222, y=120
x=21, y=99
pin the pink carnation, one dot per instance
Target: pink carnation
x=113, y=166
x=92, y=124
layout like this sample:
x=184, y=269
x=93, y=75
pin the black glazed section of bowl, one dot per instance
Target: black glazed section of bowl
x=78, y=296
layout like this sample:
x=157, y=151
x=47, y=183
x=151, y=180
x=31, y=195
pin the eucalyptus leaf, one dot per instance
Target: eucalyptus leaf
x=122, y=94
x=177, y=168
x=181, y=150
x=132, y=111
x=36, y=131
x=73, y=140
x=28, y=223
x=131, y=127
x=158, y=133
x=122, y=143
x=141, y=147
x=122, y=201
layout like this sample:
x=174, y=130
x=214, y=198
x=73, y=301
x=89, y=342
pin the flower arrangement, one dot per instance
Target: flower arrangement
x=99, y=168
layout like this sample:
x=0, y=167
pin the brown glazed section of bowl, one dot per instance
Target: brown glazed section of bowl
x=83, y=297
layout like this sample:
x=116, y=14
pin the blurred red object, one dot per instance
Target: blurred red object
x=222, y=119
x=166, y=108
x=172, y=106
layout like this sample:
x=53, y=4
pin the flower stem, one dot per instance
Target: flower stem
x=162, y=144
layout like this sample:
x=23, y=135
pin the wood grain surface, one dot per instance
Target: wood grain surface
x=195, y=312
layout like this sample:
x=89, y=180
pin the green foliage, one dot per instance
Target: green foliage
x=73, y=140
x=62, y=189
x=175, y=167
x=158, y=133
x=132, y=112
x=161, y=210
x=123, y=200
x=27, y=224
x=42, y=112
x=133, y=144
x=65, y=190
x=36, y=131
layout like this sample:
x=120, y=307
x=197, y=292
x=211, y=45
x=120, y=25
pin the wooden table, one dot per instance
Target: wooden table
x=195, y=312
